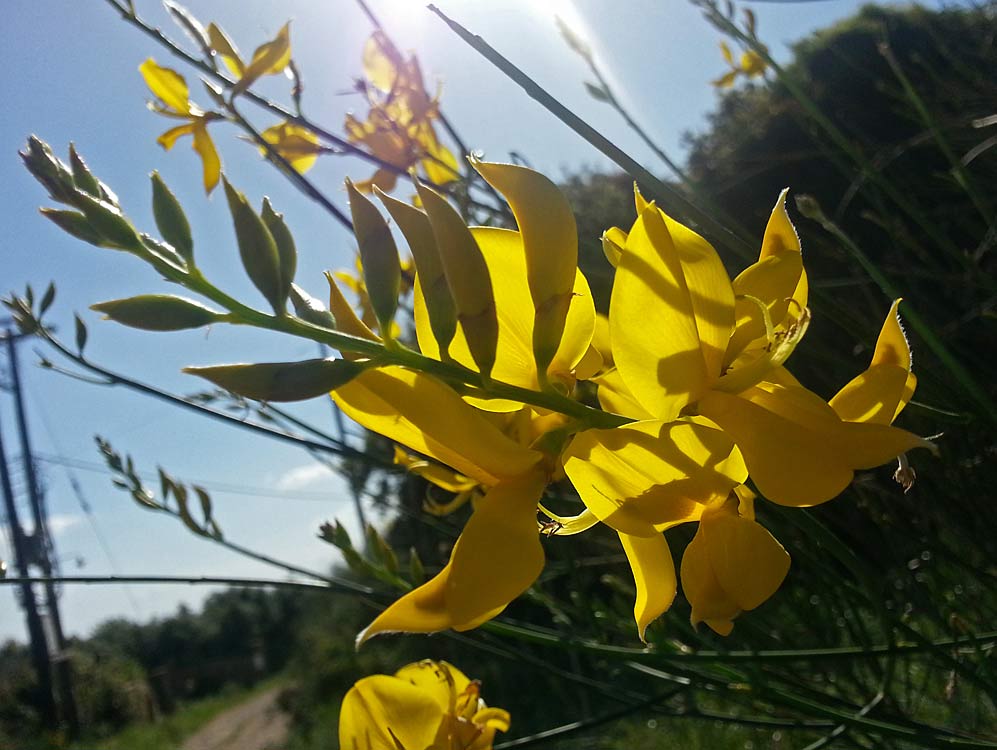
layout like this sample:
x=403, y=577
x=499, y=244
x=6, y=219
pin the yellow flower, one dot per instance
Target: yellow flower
x=398, y=128
x=171, y=90
x=750, y=65
x=426, y=705
x=298, y=145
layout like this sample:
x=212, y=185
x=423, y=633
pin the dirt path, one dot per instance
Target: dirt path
x=257, y=724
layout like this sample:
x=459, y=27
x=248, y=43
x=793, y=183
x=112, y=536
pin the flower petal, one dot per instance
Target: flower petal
x=648, y=475
x=210, y=162
x=441, y=681
x=710, y=603
x=422, y=413
x=167, y=85
x=671, y=306
x=748, y=562
x=496, y=558
x=797, y=449
x=380, y=711
x=654, y=575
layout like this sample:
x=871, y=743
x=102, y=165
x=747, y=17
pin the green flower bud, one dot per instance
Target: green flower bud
x=158, y=312
x=171, y=220
x=281, y=381
x=257, y=248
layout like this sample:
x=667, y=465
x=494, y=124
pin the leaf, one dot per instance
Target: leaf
x=171, y=219
x=158, y=312
x=47, y=299
x=281, y=381
x=81, y=334
x=186, y=21
x=597, y=92
x=286, y=251
x=82, y=176
x=257, y=248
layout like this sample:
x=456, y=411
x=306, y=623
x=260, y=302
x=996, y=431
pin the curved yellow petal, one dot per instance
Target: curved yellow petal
x=615, y=397
x=226, y=49
x=381, y=62
x=892, y=347
x=654, y=575
x=614, y=240
x=502, y=251
x=648, y=475
x=346, y=319
x=496, y=558
x=422, y=413
x=211, y=165
x=269, y=58
x=167, y=85
x=748, y=562
x=169, y=138
x=550, y=244
x=876, y=395
x=780, y=234
x=796, y=448
x=709, y=602
x=671, y=305
x=771, y=281
x=498, y=555
x=379, y=712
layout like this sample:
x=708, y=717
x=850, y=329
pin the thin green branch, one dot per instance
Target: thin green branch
x=670, y=199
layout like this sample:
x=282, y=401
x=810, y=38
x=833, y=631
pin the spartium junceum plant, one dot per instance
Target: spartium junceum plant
x=694, y=399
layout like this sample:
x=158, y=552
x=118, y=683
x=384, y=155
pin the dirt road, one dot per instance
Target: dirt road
x=257, y=724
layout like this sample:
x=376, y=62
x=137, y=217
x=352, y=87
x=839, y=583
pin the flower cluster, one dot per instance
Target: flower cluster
x=398, y=128
x=694, y=396
x=424, y=706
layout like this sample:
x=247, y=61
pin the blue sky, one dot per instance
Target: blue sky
x=68, y=72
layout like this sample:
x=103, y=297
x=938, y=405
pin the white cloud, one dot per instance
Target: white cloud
x=302, y=476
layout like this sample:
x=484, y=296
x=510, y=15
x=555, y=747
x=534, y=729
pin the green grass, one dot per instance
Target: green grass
x=169, y=732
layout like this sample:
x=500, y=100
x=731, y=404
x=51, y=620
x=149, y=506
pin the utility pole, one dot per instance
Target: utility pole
x=36, y=633
x=43, y=547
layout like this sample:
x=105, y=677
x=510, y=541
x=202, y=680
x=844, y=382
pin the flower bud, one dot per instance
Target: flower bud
x=170, y=219
x=257, y=248
x=379, y=257
x=158, y=312
x=281, y=381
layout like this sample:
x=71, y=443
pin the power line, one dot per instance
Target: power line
x=208, y=484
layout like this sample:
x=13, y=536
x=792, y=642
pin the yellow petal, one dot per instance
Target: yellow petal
x=381, y=62
x=614, y=240
x=346, y=320
x=672, y=304
x=498, y=555
x=550, y=243
x=225, y=48
x=167, y=85
x=590, y=364
x=771, y=281
x=726, y=81
x=441, y=681
x=648, y=475
x=298, y=145
x=892, y=347
x=781, y=237
x=169, y=138
x=380, y=711
x=496, y=558
x=422, y=413
x=205, y=148
x=725, y=51
x=267, y=59
x=615, y=397
x=441, y=476
x=502, y=251
x=654, y=575
x=709, y=602
x=796, y=448
x=748, y=562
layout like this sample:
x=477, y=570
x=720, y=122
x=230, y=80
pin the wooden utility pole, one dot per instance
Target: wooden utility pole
x=36, y=633
x=43, y=548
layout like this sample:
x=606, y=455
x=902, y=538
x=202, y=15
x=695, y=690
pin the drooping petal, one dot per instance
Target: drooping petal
x=797, y=450
x=168, y=139
x=422, y=413
x=211, y=164
x=550, y=246
x=498, y=555
x=167, y=85
x=710, y=603
x=379, y=712
x=670, y=308
x=654, y=575
x=748, y=562
x=496, y=558
x=650, y=475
